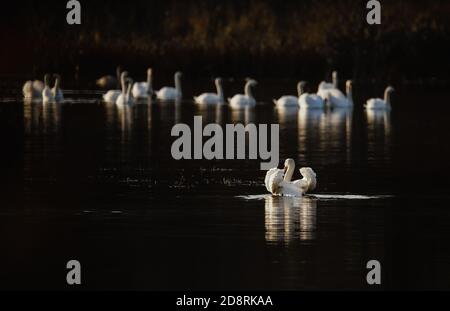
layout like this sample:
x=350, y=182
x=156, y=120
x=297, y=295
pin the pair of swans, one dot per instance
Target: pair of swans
x=38, y=90
x=237, y=101
x=122, y=96
x=304, y=100
x=279, y=182
x=330, y=93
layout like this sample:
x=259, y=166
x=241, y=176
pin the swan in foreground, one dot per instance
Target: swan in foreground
x=289, y=100
x=278, y=182
x=247, y=100
x=33, y=89
x=171, y=93
x=143, y=90
x=309, y=101
x=57, y=93
x=325, y=87
x=110, y=82
x=337, y=99
x=212, y=98
x=381, y=104
x=47, y=95
x=125, y=97
x=112, y=95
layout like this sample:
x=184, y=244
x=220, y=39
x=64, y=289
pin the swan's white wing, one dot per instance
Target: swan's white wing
x=208, y=99
x=376, y=103
x=310, y=101
x=287, y=101
x=140, y=90
x=273, y=180
x=168, y=93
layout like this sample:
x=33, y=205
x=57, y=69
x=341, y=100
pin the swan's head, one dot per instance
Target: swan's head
x=218, y=81
x=288, y=164
x=124, y=75
x=178, y=75
x=390, y=90
x=57, y=77
x=349, y=86
x=149, y=71
x=47, y=79
x=301, y=87
x=334, y=74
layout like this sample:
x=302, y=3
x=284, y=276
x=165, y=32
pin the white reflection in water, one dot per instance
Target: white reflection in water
x=211, y=113
x=244, y=116
x=379, y=133
x=287, y=117
x=42, y=117
x=288, y=219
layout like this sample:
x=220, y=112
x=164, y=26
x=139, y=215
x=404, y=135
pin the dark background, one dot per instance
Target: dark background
x=233, y=38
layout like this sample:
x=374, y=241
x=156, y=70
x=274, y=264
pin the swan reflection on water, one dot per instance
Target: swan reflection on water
x=290, y=218
x=378, y=134
x=42, y=117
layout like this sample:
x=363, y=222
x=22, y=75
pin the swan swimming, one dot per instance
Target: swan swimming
x=143, y=90
x=33, y=89
x=278, y=182
x=309, y=101
x=289, y=100
x=110, y=82
x=57, y=93
x=337, y=99
x=171, y=93
x=381, y=104
x=325, y=87
x=212, y=98
x=247, y=100
x=125, y=97
x=47, y=94
x=112, y=95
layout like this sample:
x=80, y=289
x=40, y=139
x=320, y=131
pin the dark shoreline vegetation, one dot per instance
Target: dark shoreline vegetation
x=266, y=38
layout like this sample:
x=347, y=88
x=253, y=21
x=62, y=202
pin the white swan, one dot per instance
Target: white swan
x=246, y=100
x=143, y=90
x=33, y=89
x=325, y=87
x=112, y=95
x=309, y=101
x=381, y=104
x=110, y=82
x=47, y=95
x=171, y=93
x=57, y=93
x=278, y=182
x=212, y=98
x=125, y=97
x=289, y=100
x=337, y=99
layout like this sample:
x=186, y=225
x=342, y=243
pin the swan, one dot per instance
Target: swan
x=212, y=98
x=309, y=101
x=171, y=93
x=247, y=100
x=112, y=95
x=110, y=82
x=337, y=99
x=125, y=97
x=289, y=100
x=278, y=182
x=325, y=87
x=57, y=93
x=33, y=89
x=381, y=104
x=143, y=90
x=47, y=95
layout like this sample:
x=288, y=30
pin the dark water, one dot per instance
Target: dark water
x=90, y=181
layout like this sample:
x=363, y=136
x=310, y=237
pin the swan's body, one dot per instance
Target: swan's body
x=110, y=82
x=212, y=98
x=33, y=89
x=47, y=95
x=337, y=99
x=246, y=100
x=308, y=101
x=57, y=93
x=325, y=88
x=381, y=104
x=143, y=90
x=171, y=93
x=125, y=97
x=278, y=182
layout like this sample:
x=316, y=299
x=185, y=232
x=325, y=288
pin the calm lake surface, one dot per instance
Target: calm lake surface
x=90, y=181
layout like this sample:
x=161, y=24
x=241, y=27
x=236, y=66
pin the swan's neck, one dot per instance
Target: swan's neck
x=129, y=89
x=248, y=90
x=178, y=84
x=335, y=80
x=124, y=85
x=57, y=83
x=149, y=83
x=300, y=89
x=387, y=97
x=350, y=93
x=219, y=89
x=289, y=173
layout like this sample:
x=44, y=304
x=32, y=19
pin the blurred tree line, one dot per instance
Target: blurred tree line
x=236, y=37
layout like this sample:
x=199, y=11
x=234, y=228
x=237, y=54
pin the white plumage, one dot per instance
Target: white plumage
x=212, y=98
x=381, y=104
x=171, y=93
x=246, y=100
